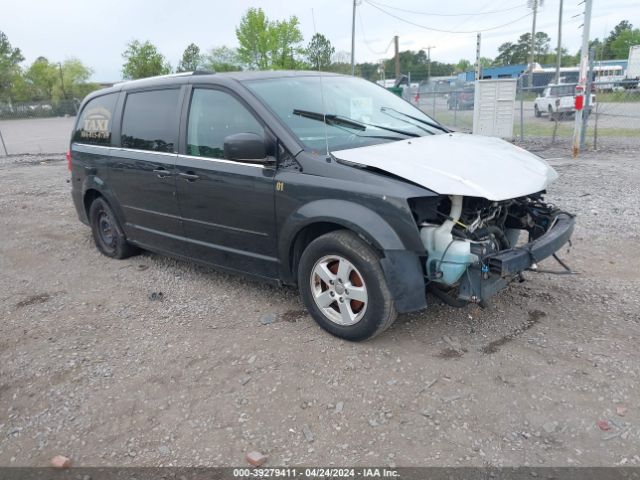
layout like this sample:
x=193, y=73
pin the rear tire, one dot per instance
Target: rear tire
x=537, y=111
x=107, y=232
x=343, y=286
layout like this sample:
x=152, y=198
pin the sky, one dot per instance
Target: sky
x=97, y=32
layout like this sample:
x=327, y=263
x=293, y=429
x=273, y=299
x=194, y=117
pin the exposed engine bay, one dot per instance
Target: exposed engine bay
x=468, y=233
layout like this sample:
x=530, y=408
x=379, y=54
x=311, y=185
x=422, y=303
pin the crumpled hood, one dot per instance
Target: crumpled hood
x=459, y=164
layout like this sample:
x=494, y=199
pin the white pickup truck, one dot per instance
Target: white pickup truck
x=558, y=101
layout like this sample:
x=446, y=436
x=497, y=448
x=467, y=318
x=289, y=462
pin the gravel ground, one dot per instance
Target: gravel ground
x=92, y=368
x=36, y=135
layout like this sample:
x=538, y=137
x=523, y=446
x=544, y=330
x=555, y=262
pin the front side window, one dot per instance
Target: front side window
x=150, y=120
x=213, y=116
x=94, y=125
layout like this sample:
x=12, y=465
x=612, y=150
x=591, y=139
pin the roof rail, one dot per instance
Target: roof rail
x=171, y=75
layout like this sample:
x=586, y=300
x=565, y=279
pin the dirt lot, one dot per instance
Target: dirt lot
x=92, y=368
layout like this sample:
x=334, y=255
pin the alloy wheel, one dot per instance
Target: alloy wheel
x=339, y=290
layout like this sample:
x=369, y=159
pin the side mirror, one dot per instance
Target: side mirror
x=245, y=146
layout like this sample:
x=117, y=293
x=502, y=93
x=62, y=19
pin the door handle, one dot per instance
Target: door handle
x=189, y=176
x=162, y=173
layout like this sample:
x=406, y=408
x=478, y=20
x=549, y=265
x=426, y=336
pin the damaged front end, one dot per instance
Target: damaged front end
x=473, y=244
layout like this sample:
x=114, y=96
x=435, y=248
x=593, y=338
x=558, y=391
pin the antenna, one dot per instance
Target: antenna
x=324, y=110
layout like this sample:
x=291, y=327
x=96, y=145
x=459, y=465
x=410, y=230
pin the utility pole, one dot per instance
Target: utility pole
x=64, y=95
x=534, y=5
x=353, y=40
x=582, y=79
x=478, y=66
x=428, y=49
x=559, y=57
x=397, y=48
x=4, y=147
x=587, y=98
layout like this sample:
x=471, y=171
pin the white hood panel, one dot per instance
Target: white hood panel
x=459, y=164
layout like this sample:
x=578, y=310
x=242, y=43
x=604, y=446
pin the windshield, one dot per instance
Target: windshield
x=383, y=116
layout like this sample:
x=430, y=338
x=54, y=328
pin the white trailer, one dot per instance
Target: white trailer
x=633, y=67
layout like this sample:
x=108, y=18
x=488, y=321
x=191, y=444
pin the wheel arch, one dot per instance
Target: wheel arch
x=88, y=198
x=323, y=216
x=94, y=187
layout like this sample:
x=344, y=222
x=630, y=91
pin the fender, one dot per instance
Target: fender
x=401, y=267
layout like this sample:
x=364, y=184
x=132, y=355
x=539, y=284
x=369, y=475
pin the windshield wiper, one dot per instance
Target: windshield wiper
x=334, y=119
x=425, y=122
x=330, y=119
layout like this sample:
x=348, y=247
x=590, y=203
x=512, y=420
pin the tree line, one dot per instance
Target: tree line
x=614, y=47
x=265, y=44
x=42, y=80
x=272, y=45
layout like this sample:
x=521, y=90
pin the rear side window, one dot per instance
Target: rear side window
x=567, y=90
x=150, y=120
x=94, y=125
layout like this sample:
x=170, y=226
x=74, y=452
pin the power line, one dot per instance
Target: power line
x=483, y=9
x=442, y=30
x=445, y=14
x=366, y=42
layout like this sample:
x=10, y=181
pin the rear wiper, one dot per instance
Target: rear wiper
x=333, y=119
x=425, y=122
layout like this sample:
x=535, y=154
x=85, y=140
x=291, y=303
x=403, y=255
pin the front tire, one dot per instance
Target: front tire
x=107, y=232
x=343, y=286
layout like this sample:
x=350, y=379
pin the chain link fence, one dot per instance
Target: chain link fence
x=614, y=107
x=546, y=113
x=36, y=127
x=451, y=105
x=39, y=109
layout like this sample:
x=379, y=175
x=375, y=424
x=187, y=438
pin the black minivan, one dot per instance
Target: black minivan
x=323, y=181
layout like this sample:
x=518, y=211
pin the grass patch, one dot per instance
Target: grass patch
x=566, y=130
x=626, y=96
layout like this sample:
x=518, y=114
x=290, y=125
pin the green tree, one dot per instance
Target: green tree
x=255, y=39
x=222, y=59
x=623, y=42
x=143, y=60
x=416, y=64
x=510, y=53
x=319, y=52
x=42, y=77
x=566, y=59
x=10, y=59
x=607, y=47
x=340, y=63
x=191, y=59
x=486, y=62
x=286, y=41
x=20, y=90
x=269, y=45
x=74, y=82
x=463, y=65
x=45, y=80
x=367, y=70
